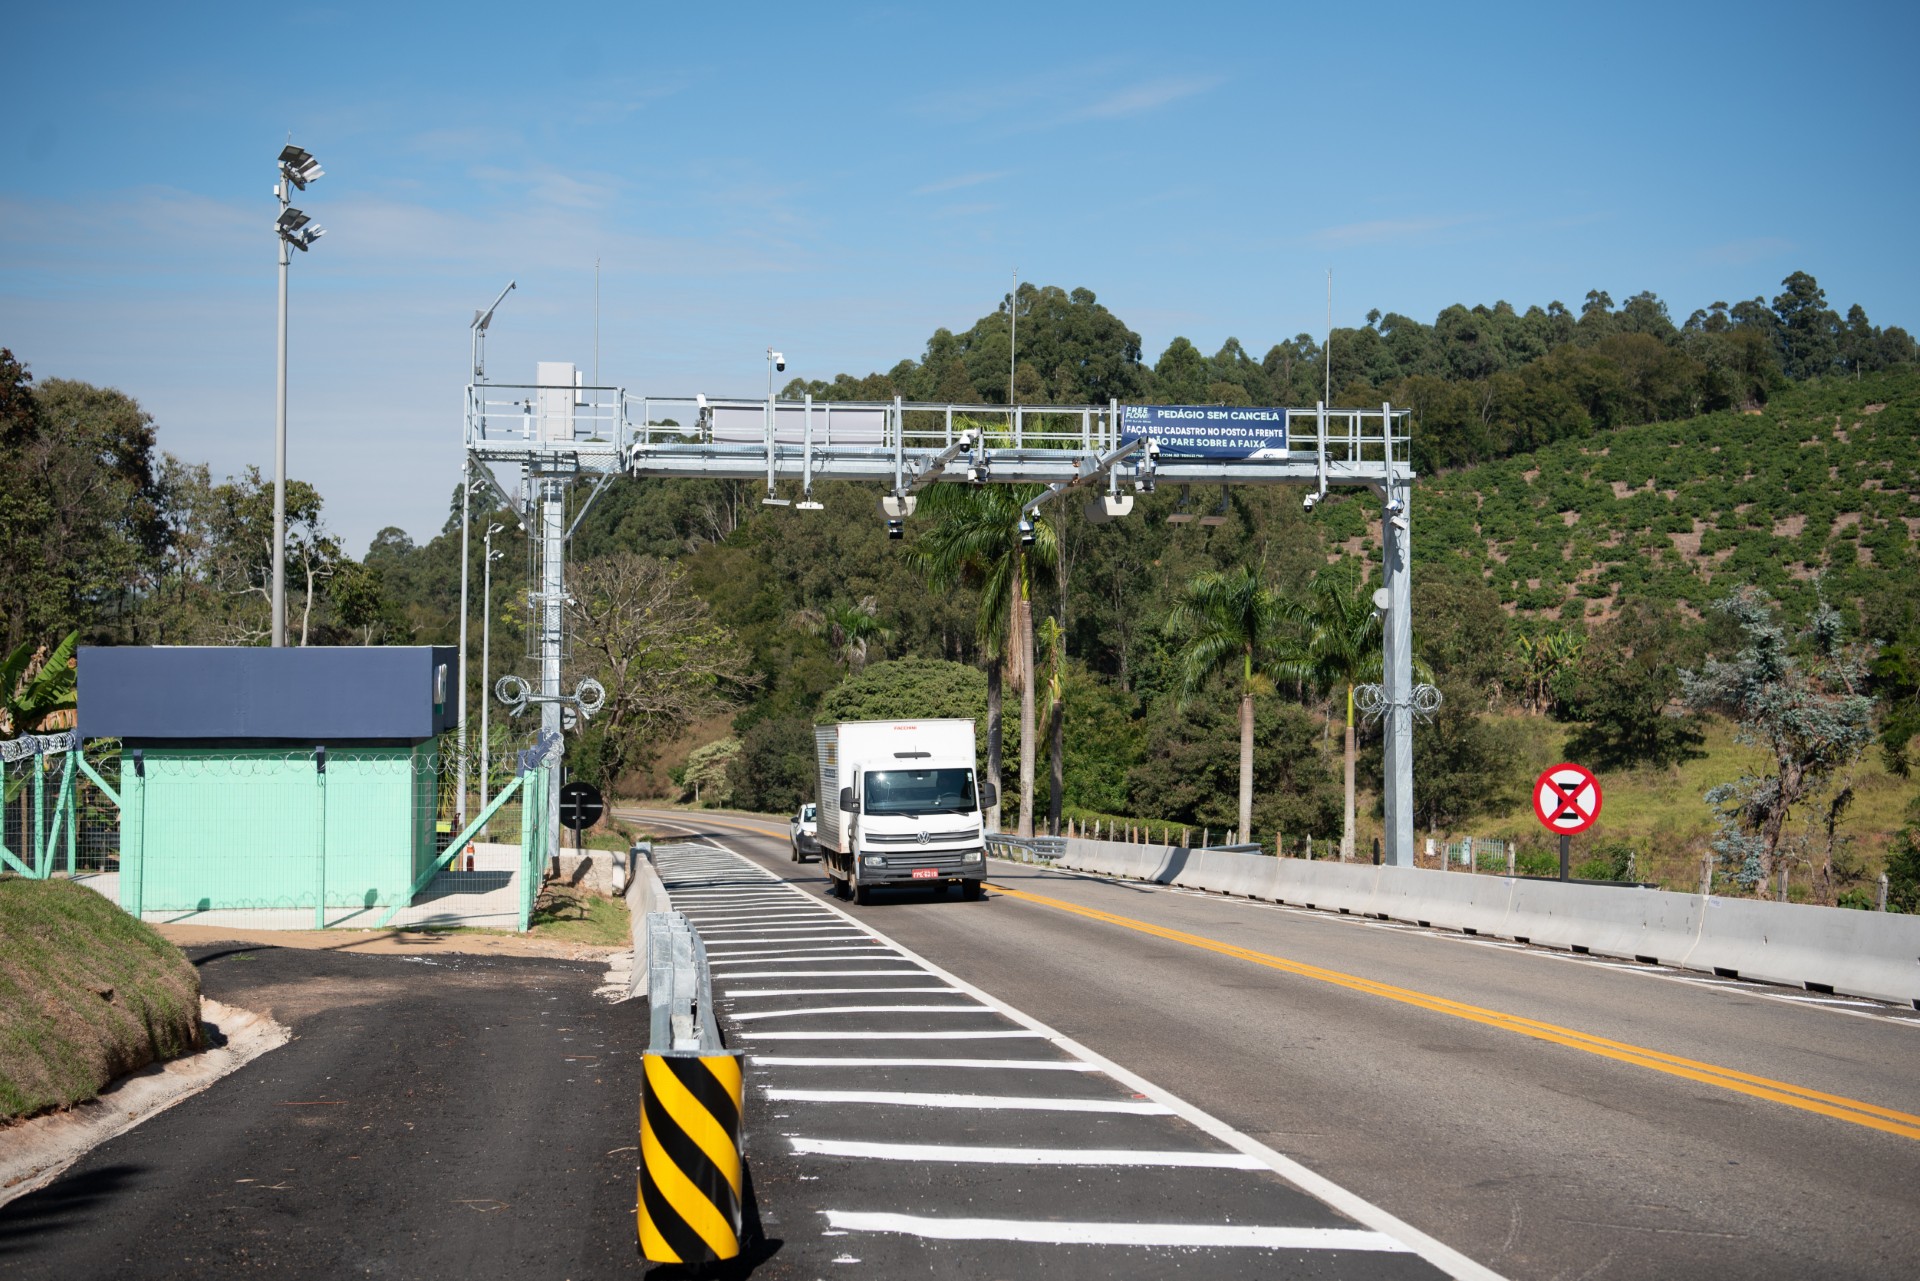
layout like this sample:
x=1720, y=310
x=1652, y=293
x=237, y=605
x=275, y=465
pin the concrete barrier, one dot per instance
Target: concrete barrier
x=1870, y=954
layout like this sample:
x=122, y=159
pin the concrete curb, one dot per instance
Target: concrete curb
x=1870, y=954
x=36, y=1152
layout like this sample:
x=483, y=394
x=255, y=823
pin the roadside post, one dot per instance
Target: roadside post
x=1566, y=799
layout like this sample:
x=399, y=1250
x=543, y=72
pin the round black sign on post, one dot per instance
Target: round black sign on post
x=580, y=806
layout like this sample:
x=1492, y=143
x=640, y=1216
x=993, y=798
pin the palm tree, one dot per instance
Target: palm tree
x=849, y=630
x=977, y=539
x=1334, y=644
x=1226, y=620
x=1053, y=649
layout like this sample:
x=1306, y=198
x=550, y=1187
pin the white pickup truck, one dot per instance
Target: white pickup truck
x=901, y=804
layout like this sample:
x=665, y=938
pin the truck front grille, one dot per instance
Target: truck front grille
x=913, y=838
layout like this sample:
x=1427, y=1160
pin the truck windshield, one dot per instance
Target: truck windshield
x=920, y=791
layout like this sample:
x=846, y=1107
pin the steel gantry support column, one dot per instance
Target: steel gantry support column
x=553, y=623
x=1396, y=535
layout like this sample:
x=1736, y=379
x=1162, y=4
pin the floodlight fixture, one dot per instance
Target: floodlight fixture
x=299, y=167
x=896, y=528
x=290, y=221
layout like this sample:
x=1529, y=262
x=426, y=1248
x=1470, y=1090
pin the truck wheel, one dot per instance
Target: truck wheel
x=970, y=890
x=861, y=895
x=795, y=855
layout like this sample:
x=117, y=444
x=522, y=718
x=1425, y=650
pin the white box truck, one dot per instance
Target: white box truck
x=900, y=804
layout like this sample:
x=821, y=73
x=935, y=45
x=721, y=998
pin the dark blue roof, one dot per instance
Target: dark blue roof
x=320, y=694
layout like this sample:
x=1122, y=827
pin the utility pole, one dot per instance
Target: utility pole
x=292, y=229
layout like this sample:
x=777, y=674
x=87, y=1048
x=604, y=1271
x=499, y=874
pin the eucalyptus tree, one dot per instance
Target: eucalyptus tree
x=1333, y=644
x=1227, y=621
x=981, y=537
x=1806, y=710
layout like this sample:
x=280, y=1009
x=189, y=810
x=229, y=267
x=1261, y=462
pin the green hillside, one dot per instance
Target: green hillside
x=1825, y=481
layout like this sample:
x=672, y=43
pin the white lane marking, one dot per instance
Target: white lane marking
x=971, y=1007
x=842, y=936
x=816, y=974
x=749, y=918
x=981, y=1102
x=1049, y=1232
x=1023, y=1156
x=1042, y=1065
x=832, y=991
x=995, y=1035
x=870, y=949
x=731, y=938
x=840, y=931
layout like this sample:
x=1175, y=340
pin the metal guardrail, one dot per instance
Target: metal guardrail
x=679, y=988
x=1026, y=849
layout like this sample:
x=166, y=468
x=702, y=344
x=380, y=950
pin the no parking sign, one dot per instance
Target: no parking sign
x=1566, y=799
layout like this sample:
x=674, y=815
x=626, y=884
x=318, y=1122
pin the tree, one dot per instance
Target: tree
x=1809, y=332
x=1053, y=651
x=849, y=630
x=1625, y=686
x=654, y=645
x=37, y=687
x=1189, y=764
x=1896, y=680
x=775, y=771
x=1808, y=713
x=982, y=537
x=909, y=688
x=1226, y=622
x=80, y=534
x=1544, y=661
x=1334, y=644
x=708, y=772
x=1903, y=863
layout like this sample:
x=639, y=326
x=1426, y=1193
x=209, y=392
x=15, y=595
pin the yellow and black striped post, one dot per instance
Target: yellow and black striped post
x=689, y=1205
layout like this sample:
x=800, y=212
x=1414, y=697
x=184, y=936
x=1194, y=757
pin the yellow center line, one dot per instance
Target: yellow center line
x=1870, y=1115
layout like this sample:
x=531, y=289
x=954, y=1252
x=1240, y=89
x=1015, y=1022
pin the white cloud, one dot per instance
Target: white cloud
x=961, y=181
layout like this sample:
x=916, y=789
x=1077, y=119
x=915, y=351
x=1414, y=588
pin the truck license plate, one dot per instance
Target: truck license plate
x=925, y=873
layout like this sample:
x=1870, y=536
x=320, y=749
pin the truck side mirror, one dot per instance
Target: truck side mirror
x=989, y=796
x=849, y=803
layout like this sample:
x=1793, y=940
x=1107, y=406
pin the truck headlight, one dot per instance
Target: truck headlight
x=874, y=860
x=973, y=856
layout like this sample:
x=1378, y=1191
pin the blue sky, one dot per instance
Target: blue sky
x=838, y=181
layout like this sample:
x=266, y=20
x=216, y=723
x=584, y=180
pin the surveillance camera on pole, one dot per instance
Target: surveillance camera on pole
x=1026, y=532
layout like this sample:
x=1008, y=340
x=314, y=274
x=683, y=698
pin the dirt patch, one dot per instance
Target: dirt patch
x=1791, y=526
x=424, y=943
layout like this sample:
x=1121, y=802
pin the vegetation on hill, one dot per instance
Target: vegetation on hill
x=87, y=995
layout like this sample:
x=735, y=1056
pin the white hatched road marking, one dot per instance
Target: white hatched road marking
x=832, y=991
x=871, y=949
x=996, y=1034
x=1049, y=1232
x=971, y=1007
x=819, y=974
x=1044, y=1065
x=1189, y=1160
x=1380, y=1232
x=914, y=1099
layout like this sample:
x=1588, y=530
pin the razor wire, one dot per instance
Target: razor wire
x=1373, y=702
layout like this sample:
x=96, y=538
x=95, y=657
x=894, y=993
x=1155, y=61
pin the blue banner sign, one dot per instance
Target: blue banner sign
x=1208, y=431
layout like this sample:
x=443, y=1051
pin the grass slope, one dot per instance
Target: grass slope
x=87, y=994
x=1825, y=480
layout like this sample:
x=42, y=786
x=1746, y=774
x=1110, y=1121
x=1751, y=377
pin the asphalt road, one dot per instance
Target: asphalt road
x=1540, y=1152
x=444, y=1116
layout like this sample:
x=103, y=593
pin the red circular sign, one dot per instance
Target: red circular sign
x=1566, y=798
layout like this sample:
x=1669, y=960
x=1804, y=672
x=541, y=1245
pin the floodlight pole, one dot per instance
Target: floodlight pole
x=279, y=593
x=486, y=648
x=481, y=319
